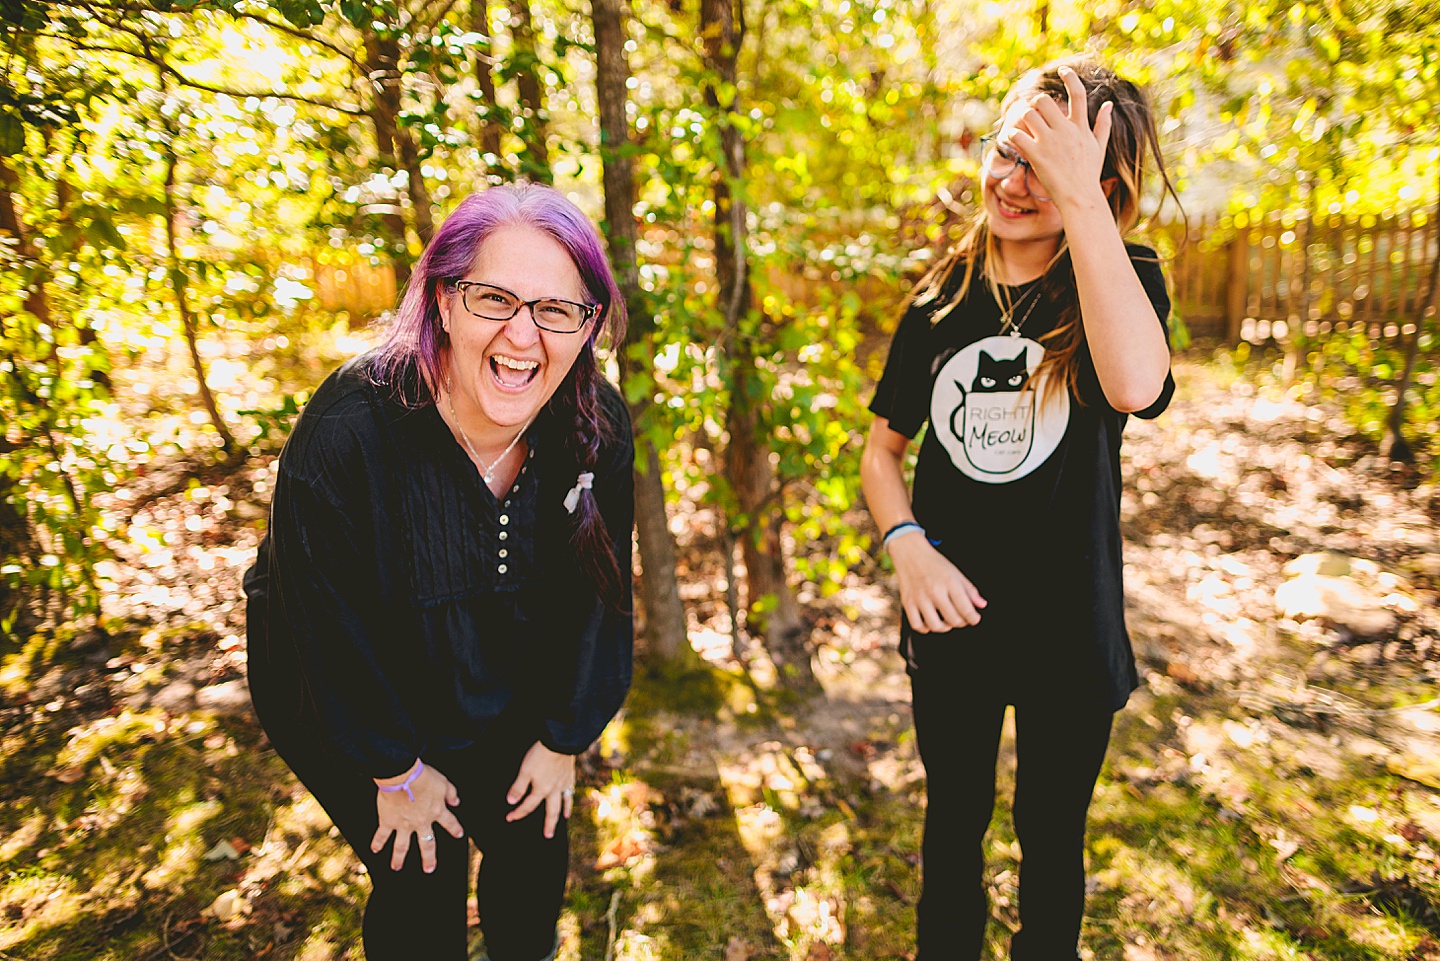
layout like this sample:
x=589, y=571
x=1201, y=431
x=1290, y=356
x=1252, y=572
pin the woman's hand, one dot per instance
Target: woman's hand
x=935, y=595
x=545, y=778
x=402, y=817
x=1067, y=156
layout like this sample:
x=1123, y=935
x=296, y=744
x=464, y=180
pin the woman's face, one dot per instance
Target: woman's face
x=1013, y=204
x=506, y=370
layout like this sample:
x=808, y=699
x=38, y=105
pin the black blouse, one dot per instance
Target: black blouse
x=399, y=606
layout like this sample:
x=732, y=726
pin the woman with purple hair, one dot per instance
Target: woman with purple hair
x=440, y=618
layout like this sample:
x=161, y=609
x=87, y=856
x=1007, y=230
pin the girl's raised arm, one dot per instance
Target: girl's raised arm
x=1127, y=344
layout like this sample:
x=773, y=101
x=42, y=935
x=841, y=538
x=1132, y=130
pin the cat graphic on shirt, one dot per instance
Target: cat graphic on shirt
x=995, y=418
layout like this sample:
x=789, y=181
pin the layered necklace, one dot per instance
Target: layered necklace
x=1007, y=317
x=487, y=474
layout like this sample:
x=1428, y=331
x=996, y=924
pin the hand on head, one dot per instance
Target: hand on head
x=1065, y=153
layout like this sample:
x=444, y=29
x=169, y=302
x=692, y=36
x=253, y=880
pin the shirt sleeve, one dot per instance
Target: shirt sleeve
x=330, y=600
x=603, y=666
x=1147, y=268
x=903, y=395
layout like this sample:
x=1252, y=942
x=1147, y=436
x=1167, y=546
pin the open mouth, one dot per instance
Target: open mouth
x=1010, y=210
x=511, y=373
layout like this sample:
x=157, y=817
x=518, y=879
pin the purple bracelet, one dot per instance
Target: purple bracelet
x=405, y=784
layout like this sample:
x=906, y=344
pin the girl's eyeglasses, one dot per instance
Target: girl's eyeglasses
x=1000, y=160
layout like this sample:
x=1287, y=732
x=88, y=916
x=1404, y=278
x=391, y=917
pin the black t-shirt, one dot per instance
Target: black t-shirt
x=1018, y=485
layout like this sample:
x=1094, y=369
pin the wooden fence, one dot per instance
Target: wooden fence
x=1257, y=282
x=1262, y=281
x=351, y=284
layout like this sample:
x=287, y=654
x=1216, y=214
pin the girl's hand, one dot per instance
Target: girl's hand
x=935, y=595
x=402, y=817
x=1066, y=155
x=545, y=777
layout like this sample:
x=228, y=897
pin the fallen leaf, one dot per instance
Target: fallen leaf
x=228, y=906
x=1422, y=770
x=1284, y=846
x=224, y=850
x=69, y=775
x=738, y=949
x=1412, y=832
x=618, y=852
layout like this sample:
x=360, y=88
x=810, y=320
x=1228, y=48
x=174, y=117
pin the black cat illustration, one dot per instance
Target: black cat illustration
x=996, y=376
x=995, y=433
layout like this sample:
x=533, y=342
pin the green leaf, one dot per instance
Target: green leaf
x=101, y=233
x=12, y=134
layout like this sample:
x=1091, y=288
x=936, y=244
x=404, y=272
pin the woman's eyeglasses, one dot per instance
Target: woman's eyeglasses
x=1000, y=160
x=489, y=302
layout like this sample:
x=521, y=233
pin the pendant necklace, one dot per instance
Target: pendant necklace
x=1010, y=324
x=487, y=474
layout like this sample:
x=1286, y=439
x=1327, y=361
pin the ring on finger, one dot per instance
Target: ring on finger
x=568, y=792
x=427, y=837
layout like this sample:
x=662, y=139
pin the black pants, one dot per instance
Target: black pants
x=1061, y=736
x=412, y=914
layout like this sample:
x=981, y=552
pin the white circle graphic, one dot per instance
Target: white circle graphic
x=986, y=410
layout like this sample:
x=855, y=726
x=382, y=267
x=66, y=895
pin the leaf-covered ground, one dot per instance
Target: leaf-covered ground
x=1271, y=792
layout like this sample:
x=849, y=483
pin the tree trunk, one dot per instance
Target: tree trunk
x=179, y=282
x=536, y=164
x=668, y=646
x=1397, y=448
x=383, y=55
x=37, y=302
x=17, y=540
x=487, y=118
x=771, y=607
x=89, y=339
x=383, y=76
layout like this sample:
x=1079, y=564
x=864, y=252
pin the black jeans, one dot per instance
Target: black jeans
x=411, y=914
x=1061, y=736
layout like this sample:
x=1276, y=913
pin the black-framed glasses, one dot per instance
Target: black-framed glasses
x=489, y=302
x=1000, y=160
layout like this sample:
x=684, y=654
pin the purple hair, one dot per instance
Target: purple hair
x=417, y=338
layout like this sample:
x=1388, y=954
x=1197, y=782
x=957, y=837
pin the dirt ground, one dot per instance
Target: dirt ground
x=1273, y=789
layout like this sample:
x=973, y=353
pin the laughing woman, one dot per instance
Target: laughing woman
x=440, y=619
x=1025, y=349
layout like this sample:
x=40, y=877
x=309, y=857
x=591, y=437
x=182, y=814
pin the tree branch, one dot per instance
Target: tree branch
x=301, y=34
x=441, y=11
x=184, y=81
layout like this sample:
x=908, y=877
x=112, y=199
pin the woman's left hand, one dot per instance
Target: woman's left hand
x=1067, y=156
x=545, y=778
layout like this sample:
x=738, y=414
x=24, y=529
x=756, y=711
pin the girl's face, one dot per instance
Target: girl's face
x=506, y=370
x=1014, y=204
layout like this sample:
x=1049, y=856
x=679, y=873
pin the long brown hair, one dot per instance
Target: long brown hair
x=1133, y=148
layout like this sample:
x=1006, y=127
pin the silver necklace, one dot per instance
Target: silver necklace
x=1011, y=325
x=487, y=474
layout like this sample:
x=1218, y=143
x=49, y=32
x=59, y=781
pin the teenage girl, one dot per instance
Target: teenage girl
x=1025, y=348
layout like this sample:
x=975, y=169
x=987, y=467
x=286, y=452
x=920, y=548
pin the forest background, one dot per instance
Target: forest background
x=205, y=206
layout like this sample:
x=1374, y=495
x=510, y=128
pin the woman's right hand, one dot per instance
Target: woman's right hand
x=402, y=817
x=935, y=595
